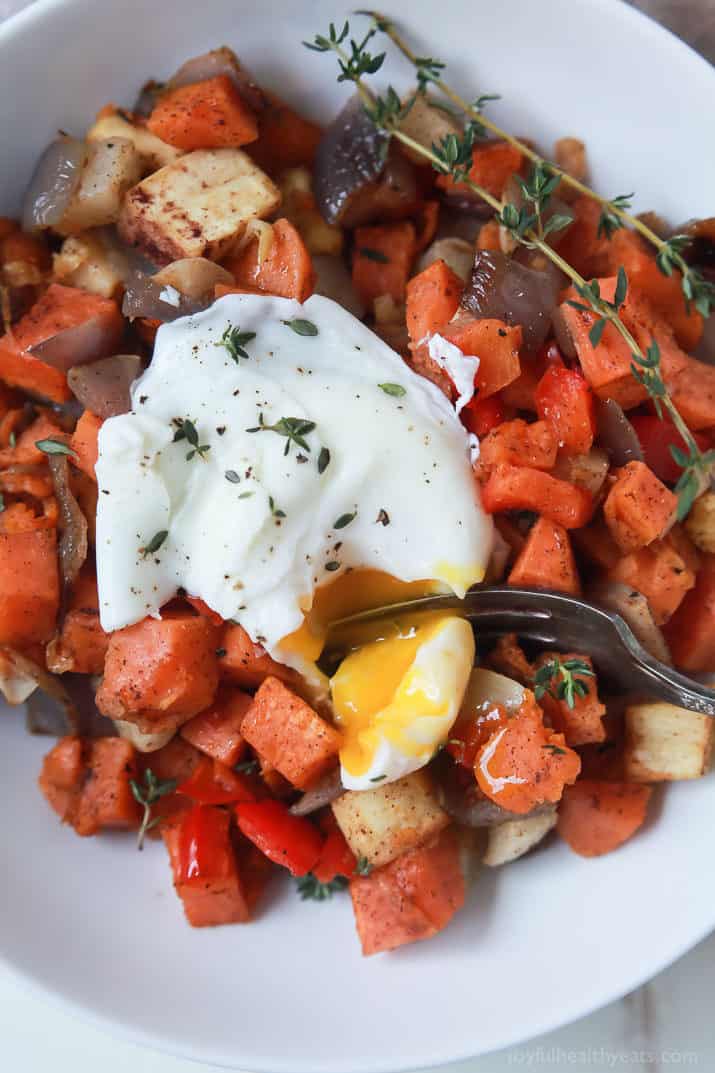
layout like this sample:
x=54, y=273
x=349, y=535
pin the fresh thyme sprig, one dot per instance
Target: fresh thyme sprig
x=453, y=157
x=295, y=429
x=186, y=430
x=311, y=888
x=147, y=795
x=234, y=340
x=696, y=289
x=546, y=680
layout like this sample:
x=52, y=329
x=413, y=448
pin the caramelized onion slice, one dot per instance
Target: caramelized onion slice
x=104, y=386
x=350, y=156
x=78, y=345
x=325, y=791
x=20, y=676
x=73, y=541
x=616, y=434
x=502, y=289
x=635, y=611
x=53, y=183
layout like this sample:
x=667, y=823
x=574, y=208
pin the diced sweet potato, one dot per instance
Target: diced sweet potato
x=519, y=488
x=412, y=898
x=286, y=731
x=492, y=164
x=382, y=260
x=597, y=817
x=432, y=300
x=691, y=631
x=217, y=731
x=29, y=587
x=495, y=344
x=245, y=663
x=81, y=646
x=582, y=724
x=639, y=508
x=88, y=783
x=160, y=672
x=525, y=764
x=84, y=443
x=546, y=561
x=204, y=115
x=661, y=573
x=516, y=443
x=286, y=270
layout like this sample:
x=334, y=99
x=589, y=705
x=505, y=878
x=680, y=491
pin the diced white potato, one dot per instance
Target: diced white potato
x=153, y=152
x=700, y=523
x=665, y=743
x=381, y=824
x=110, y=169
x=92, y=263
x=457, y=254
x=143, y=743
x=427, y=124
x=193, y=276
x=198, y=206
x=300, y=208
x=513, y=839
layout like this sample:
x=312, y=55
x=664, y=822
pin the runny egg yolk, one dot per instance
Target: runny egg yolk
x=359, y=590
x=396, y=698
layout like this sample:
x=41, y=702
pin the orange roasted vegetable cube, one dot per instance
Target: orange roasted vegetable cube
x=84, y=443
x=546, y=560
x=217, y=731
x=639, y=507
x=204, y=115
x=286, y=732
x=29, y=587
x=245, y=663
x=160, y=672
x=87, y=782
x=582, y=724
x=597, y=817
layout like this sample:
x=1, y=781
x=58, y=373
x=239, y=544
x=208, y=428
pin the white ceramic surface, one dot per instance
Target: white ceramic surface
x=553, y=936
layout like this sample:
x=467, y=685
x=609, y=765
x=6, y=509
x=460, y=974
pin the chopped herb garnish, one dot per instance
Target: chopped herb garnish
x=344, y=520
x=569, y=687
x=383, y=517
x=245, y=495
x=363, y=866
x=234, y=340
x=274, y=509
x=295, y=429
x=186, y=430
x=374, y=255
x=311, y=889
x=323, y=459
x=247, y=767
x=396, y=390
x=301, y=327
x=332, y=566
x=556, y=750
x=2, y=502
x=232, y=476
x=154, y=544
x=378, y=778
x=55, y=447
x=221, y=653
x=12, y=439
x=147, y=794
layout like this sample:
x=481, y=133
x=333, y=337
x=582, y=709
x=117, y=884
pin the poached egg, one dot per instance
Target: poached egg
x=286, y=466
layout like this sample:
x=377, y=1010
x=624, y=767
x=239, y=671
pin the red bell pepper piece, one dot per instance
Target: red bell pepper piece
x=213, y=783
x=285, y=839
x=480, y=416
x=564, y=399
x=656, y=438
x=336, y=859
x=205, y=850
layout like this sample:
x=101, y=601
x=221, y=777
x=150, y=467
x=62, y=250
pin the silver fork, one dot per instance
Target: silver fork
x=563, y=622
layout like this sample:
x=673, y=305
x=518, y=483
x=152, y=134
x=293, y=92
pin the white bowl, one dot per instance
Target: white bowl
x=548, y=939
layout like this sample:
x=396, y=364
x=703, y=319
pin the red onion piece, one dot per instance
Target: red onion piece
x=705, y=350
x=104, y=386
x=147, y=99
x=78, y=345
x=502, y=289
x=220, y=61
x=143, y=298
x=563, y=335
x=351, y=156
x=461, y=797
x=58, y=713
x=633, y=608
x=327, y=790
x=73, y=527
x=616, y=434
x=53, y=183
